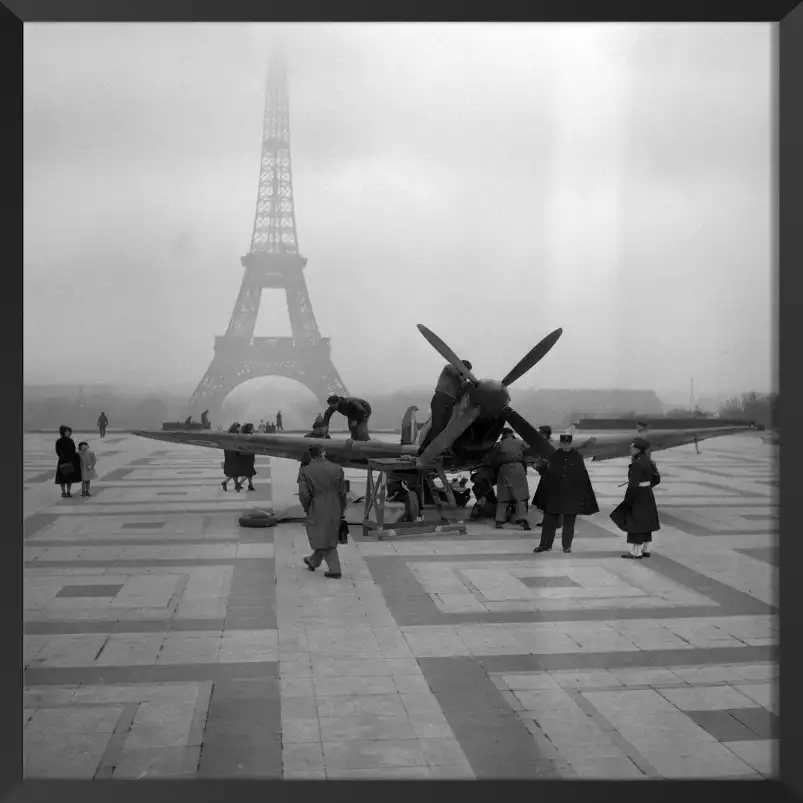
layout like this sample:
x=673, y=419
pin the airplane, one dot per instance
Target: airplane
x=466, y=443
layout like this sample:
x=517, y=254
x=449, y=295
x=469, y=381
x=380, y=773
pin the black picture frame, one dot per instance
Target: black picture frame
x=789, y=244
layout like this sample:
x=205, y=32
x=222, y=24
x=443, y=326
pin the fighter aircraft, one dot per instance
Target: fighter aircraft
x=465, y=444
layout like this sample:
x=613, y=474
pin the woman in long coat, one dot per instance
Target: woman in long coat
x=637, y=514
x=231, y=463
x=322, y=492
x=68, y=467
x=247, y=462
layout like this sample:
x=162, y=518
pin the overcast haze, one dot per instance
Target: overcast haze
x=507, y=179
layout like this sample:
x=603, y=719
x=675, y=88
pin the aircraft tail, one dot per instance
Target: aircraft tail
x=412, y=430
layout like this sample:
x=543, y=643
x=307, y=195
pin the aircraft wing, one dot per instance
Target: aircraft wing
x=609, y=447
x=345, y=452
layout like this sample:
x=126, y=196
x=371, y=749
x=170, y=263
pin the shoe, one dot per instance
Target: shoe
x=525, y=525
x=499, y=526
x=540, y=524
x=63, y=494
x=238, y=488
x=251, y=488
x=637, y=557
x=224, y=486
x=309, y=565
x=628, y=555
x=645, y=554
x=567, y=551
x=69, y=495
x=333, y=575
x=87, y=494
x=540, y=548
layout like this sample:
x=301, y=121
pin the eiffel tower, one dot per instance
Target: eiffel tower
x=272, y=263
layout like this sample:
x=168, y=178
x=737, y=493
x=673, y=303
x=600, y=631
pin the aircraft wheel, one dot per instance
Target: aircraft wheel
x=258, y=518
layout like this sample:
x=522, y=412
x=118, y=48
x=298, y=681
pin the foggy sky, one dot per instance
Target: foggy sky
x=614, y=180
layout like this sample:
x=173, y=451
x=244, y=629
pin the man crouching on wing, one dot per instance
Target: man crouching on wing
x=357, y=412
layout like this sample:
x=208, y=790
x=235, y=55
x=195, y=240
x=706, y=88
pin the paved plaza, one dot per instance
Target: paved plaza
x=163, y=640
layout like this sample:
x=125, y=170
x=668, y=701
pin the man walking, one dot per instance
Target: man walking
x=357, y=412
x=279, y=422
x=448, y=391
x=511, y=483
x=322, y=491
x=103, y=422
x=565, y=492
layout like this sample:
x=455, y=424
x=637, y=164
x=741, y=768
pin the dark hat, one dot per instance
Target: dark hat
x=565, y=438
x=641, y=444
x=545, y=430
x=333, y=400
x=468, y=364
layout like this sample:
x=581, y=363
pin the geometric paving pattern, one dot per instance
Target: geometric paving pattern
x=162, y=640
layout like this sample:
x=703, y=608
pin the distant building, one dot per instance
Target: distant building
x=563, y=407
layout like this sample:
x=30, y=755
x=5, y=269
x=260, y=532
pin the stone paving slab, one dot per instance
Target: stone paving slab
x=162, y=640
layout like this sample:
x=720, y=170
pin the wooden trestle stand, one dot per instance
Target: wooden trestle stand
x=379, y=471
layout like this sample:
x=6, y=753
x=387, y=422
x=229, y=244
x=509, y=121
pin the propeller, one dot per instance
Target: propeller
x=447, y=353
x=457, y=426
x=534, y=356
x=466, y=417
x=530, y=435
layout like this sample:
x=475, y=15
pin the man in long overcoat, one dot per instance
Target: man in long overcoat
x=564, y=492
x=322, y=492
x=511, y=482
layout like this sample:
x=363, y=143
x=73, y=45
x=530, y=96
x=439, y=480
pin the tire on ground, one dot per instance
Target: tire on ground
x=258, y=518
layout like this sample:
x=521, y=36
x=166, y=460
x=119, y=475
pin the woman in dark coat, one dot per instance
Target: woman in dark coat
x=68, y=468
x=637, y=514
x=246, y=462
x=564, y=492
x=231, y=463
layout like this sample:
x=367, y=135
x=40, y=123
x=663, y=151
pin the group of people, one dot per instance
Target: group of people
x=74, y=464
x=270, y=427
x=565, y=492
x=238, y=466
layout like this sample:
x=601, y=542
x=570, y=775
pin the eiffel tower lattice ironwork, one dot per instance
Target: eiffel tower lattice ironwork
x=272, y=263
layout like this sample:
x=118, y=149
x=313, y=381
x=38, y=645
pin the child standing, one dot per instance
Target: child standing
x=88, y=462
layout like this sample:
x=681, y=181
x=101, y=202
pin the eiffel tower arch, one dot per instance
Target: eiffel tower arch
x=273, y=262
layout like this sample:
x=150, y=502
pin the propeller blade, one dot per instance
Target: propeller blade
x=536, y=354
x=446, y=353
x=530, y=435
x=457, y=426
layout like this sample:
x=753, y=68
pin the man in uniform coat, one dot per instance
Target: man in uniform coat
x=564, y=492
x=322, y=492
x=357, y=411
x=447, y=392
x=511, y=482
